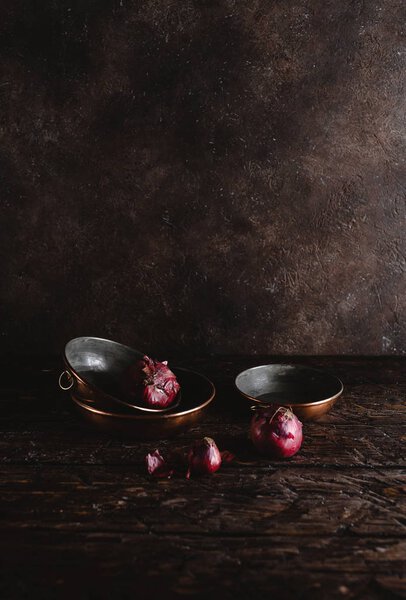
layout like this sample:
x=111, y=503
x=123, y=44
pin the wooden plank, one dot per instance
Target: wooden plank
x=239, y=500
x=325, y=444
x=80, y=516
x=100, y=563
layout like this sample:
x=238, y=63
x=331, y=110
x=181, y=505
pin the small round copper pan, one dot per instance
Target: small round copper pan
x=309, y=392
x=95, y=367
x=197, y=393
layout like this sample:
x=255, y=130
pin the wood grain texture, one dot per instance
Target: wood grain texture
x=80, y=517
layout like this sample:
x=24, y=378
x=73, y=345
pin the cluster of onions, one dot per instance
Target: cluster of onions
x=275, y=433
x=202, y=458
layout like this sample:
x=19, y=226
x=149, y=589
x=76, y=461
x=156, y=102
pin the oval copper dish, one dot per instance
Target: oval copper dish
x=310, y=392
x=96, y=367
x=197, y=393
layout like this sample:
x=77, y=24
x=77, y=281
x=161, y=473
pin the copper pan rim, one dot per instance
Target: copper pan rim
x=328, y=400
x=149, y=417
x=92, y=387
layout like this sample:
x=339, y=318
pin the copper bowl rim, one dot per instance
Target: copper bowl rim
x=94, y=389
x=146, y=417
x=294, y=404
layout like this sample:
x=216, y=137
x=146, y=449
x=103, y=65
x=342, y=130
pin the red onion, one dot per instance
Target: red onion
x=156, y=464
x=204, y=457
x=276, y=433
x=152, y=382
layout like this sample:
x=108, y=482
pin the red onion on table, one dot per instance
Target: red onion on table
x=152, y=382
x=204, y=457
x=157, y=465
x=276, y=433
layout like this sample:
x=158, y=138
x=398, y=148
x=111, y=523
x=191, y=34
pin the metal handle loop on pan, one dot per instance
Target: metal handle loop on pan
x=69, y=378
x=258, y=406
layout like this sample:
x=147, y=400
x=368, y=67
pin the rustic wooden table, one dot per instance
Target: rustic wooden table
x=81, y=519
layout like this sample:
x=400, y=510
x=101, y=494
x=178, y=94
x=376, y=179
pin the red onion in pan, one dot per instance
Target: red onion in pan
x=152, y=382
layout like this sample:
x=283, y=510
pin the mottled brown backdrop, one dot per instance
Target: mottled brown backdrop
x=203, y=176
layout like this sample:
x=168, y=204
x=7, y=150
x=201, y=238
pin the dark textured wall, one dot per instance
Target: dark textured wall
x=223, y=176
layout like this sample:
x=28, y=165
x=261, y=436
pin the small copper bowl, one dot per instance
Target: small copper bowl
x=309, y=392
x=197, y=393
x=94, y=368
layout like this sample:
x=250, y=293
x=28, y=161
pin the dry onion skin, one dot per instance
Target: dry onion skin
x=276, y=433
x=151, y=382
